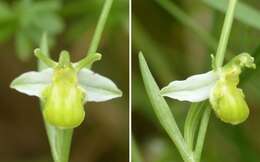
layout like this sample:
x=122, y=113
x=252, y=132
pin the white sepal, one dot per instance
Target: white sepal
x=98, y=88
x=196, y=88
x=32, y=83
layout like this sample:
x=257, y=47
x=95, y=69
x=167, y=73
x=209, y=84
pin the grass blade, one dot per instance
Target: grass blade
x=244, y=12
x=163, y=111
x=202, y=133
x=192, y=122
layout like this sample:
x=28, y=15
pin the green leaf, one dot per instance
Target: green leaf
x=243, y=13
x=202, y=133
x=192, y=122
x=163, y=111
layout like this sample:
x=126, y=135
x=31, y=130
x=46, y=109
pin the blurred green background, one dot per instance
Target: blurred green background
x=177, y=38
x=70, y=25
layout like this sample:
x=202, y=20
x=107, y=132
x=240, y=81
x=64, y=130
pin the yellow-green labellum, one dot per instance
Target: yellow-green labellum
x=64, y=100
x=229, y=103
x=227, y=100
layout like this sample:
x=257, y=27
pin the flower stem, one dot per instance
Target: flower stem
x=59, y=139
x=220, y=55
x=202, y=134
x=100, y=27
x=222, y=47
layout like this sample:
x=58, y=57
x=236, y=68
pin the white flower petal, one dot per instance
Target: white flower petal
x=97, y=87
x=32, y=83
x=194, y=89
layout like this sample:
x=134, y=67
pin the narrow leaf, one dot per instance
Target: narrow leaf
x=192, y=122
x=163, y=111
x=202, y=133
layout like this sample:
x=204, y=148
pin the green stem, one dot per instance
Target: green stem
x=192, y=122
x=220, y=55
x=100, y=27
x=60, y=139
x=202, y=134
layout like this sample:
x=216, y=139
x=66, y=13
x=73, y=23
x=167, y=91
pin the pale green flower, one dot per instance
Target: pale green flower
x=220, y=87
x=65, y=87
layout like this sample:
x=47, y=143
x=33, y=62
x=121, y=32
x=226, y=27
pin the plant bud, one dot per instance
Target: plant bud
x=64, y=100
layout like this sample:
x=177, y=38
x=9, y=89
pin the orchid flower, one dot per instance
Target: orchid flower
x=64, y=87
x=219, y=86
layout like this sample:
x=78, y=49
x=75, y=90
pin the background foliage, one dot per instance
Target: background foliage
x=177, y=38
x=70, y=24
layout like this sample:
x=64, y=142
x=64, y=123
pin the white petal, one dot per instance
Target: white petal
x=97, y=87
x=32, y=83
x=194, y=89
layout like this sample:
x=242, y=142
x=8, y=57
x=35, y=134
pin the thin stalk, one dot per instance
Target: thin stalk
x=192, y=123
x=202, y=134
x=221, y=50
x=60, y=139
x=100, y=27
